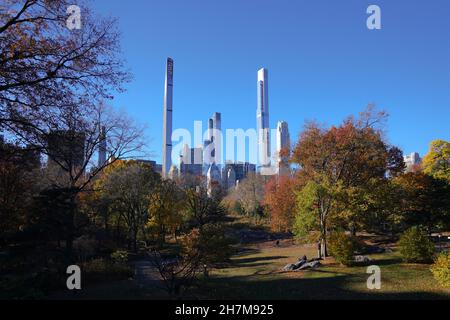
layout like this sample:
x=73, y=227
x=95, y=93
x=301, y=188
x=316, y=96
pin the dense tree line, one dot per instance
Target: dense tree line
x=349, y=178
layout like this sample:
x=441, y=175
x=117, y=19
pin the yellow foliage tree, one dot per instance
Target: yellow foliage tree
x=437, y=161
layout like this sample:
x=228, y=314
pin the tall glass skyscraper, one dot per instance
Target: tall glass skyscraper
x=167, y=125
x=283, y=147
x=262, y=118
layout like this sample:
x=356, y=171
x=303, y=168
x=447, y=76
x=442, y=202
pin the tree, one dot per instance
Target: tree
x=200, y=248
x=416, y=246
x=47, y=70
x=178, y=273
x=424, y=201
x=308, y=216
x=250, y=194
x=166, y=205
x=128, y=186
x=338, y=161
x=202, y=209
x=53, y=82
x=437, y=160
x=19, y=168
x=280, y=198
x=396, y=163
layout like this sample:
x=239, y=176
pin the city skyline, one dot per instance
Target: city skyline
x=324, y=64
x=211, y=152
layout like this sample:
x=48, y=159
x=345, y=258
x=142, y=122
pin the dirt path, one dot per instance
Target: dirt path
x=144, y=285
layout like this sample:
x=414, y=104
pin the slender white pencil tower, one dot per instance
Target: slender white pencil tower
x=262, y=118
x=167, y=125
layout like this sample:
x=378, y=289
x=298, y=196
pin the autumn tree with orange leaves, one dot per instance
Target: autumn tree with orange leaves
x=340, y=166
x=280, y=198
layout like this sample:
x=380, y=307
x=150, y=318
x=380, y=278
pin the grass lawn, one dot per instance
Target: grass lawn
x=255, y=274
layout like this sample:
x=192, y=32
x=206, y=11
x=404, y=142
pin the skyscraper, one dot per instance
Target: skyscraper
x=411, y=161
x=191, y=161
x=212, y=147
x=167, y=125
x=66, y=148
x=262, y=118
x=216, y=137
x=283, y=147
x=236, y=171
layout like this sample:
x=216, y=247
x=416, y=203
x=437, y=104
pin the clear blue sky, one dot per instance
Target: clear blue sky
x=324, y=64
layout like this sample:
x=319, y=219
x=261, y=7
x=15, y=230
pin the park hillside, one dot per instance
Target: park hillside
x=347, y=202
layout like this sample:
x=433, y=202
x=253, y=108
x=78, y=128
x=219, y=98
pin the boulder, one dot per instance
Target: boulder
x=361, y=259
x=310, y=265
x=289, y=267
x=302, y=264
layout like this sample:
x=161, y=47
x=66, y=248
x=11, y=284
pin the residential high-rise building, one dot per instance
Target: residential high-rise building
x=212, y=146
x=240, y=171
x=102, y=148
x=217, y=137
x=411, y=161
x=167, y=125
x=231, y=178
x=66, y=148
x=217, y=121
x=26, y=158
x=191, y=161
x=283, y=147
x=262, y=118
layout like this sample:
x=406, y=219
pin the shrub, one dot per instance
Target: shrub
x=215, y=244
x=120, y=257
x=342, y=248
x=415, y=246
x=101, y=270
x=210, y=243
x=441, y=269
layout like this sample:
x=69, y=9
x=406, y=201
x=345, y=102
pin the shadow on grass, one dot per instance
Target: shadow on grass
x=386, y=262
x=329, y=288
x=246, y=261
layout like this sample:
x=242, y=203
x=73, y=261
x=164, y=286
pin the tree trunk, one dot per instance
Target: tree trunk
x=353, y=230
x=324, y=237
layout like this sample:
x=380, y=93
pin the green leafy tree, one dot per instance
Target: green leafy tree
x=423, y=200
x=308, y=216
x=166, y=210
x=128, y=186
x=437, y=160
x=202, y=209
x=342, y=248
x=415, y=245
